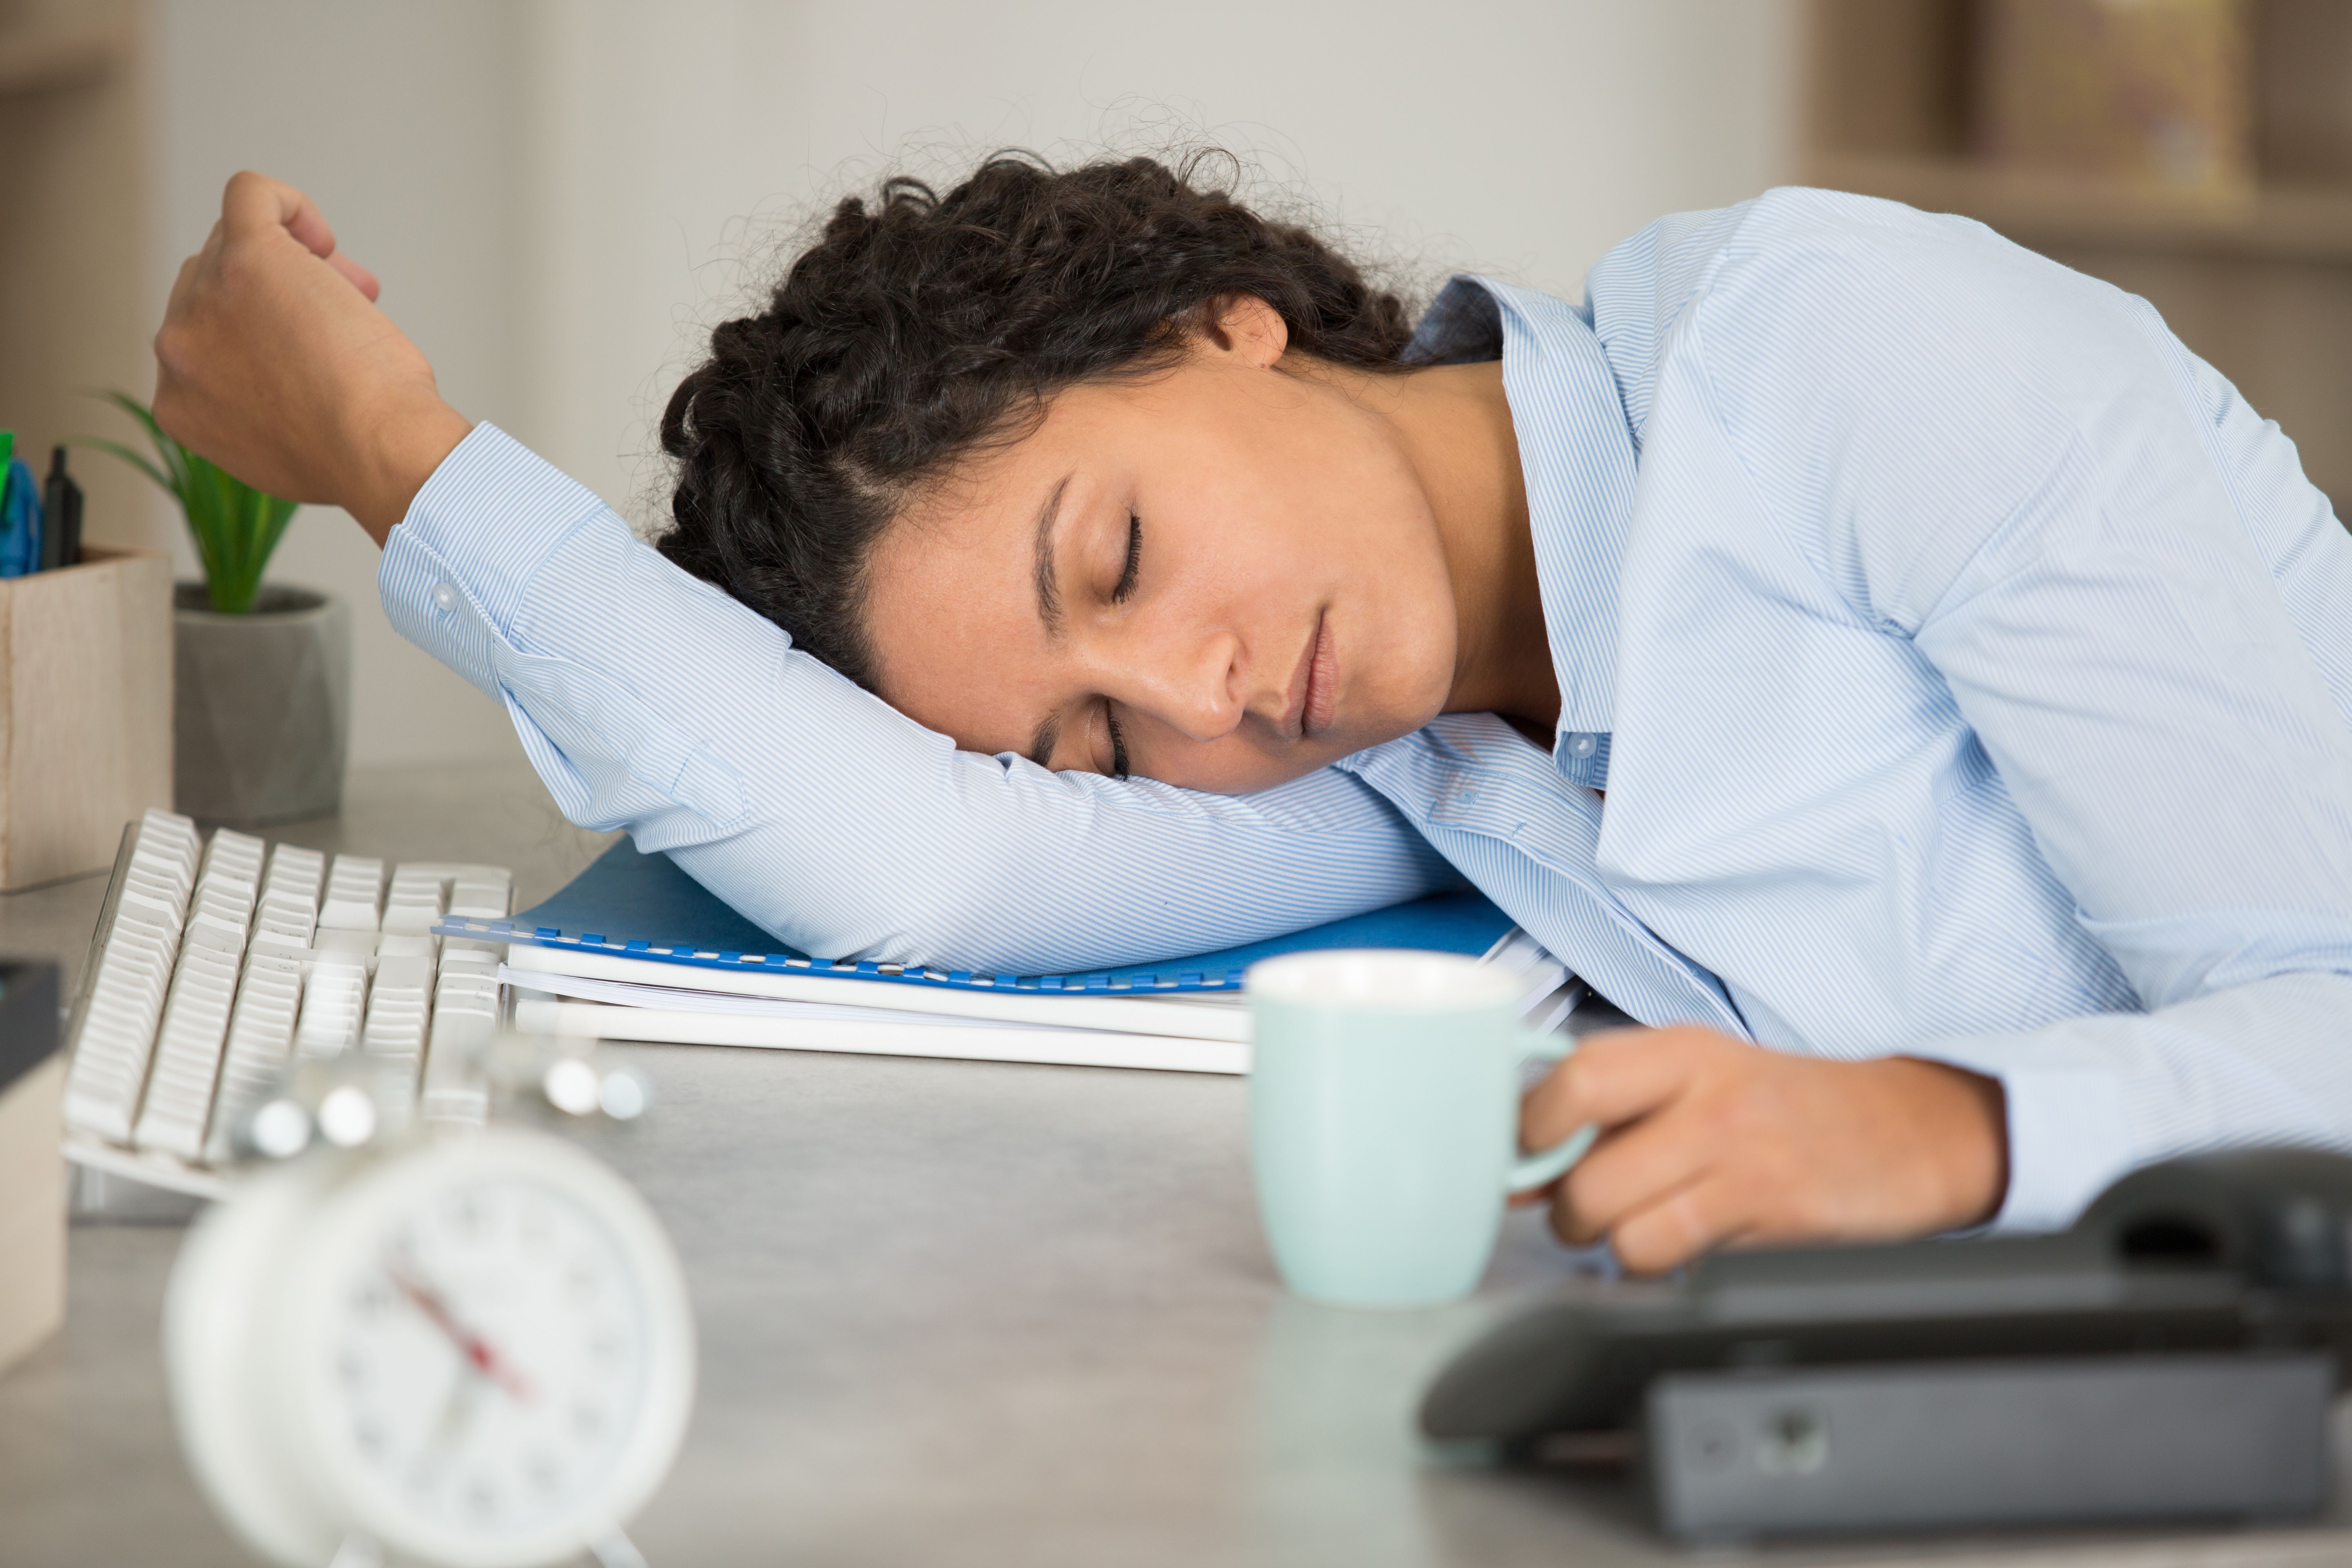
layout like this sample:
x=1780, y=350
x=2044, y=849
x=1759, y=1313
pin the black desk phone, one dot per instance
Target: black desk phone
x=2174, y=1355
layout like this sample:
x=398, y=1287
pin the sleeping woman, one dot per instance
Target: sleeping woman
x=1883, y=662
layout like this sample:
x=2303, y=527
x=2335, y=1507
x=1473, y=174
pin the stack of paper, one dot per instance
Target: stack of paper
x=636, y=949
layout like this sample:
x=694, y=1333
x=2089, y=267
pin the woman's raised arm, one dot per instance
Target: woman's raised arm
x=652, y=701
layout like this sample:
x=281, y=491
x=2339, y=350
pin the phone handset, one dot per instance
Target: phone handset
x=2279, y=1217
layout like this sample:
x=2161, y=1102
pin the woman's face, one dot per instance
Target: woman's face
x=1223, y=577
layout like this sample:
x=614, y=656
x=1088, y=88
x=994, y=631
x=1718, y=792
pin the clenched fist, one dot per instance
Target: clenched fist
x=275, y=363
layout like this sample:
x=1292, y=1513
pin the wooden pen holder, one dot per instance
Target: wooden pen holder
x=85, y=711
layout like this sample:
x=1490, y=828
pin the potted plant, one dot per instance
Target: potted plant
x=261, y=719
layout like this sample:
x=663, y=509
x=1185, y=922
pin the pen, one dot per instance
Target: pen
x=61, y=516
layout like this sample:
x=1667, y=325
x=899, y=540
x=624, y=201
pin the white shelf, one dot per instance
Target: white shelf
x=2310, y=223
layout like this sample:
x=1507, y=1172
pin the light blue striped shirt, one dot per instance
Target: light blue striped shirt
x=1968, y=668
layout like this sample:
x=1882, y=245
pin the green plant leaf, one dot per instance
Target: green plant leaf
x=139, y=460
x=234, y=527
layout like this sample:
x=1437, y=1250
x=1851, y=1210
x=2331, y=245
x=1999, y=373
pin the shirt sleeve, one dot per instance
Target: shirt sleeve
x=652, y=701
x=2144, y=611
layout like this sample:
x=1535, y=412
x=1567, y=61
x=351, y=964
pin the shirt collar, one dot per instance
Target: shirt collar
x=1576, y=452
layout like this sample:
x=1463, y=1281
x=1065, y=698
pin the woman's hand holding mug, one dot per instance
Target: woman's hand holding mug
x=1386, y=1123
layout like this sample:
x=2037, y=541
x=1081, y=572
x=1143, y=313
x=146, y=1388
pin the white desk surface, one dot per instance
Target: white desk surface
x=950, y=1313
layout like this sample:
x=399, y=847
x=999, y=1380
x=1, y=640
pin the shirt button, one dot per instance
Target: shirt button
x=1580, y=747
x=445, y=595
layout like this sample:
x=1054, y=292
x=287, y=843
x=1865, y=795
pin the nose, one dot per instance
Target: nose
x=1189, y=680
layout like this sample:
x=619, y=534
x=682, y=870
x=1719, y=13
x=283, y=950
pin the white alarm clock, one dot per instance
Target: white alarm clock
x=474, y=1352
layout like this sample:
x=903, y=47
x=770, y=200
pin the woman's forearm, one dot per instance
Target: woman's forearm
x=652, y=701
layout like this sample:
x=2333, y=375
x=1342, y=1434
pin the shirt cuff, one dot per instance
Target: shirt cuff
x=2068, y=1137
x=456, y=570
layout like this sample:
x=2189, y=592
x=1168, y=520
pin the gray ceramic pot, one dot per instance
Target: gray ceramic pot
x=263, y=715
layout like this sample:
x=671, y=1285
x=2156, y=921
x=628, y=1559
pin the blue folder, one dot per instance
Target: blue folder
x=642, y=906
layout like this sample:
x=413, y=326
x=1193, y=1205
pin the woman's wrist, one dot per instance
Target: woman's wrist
x=403, y=446
x=1964, y=1118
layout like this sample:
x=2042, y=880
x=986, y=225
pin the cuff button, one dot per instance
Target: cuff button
x=445, y=595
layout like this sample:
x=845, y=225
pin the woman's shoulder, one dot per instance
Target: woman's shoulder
x=1752, y=268
x=1842, y=292
x=1851, y=258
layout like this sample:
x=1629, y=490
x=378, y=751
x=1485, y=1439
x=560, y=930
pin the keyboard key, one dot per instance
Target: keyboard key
x=219, y=919
x=288, y=910
x=417, y=897
x=285, y=922
x=167, y=845
x=355, y=897
x=297, y=870
x=344, y=946
x=334, y=997
x=481, y=897
x=220, y=915
x=151, y=898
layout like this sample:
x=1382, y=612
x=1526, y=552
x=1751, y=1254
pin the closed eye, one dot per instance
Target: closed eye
x=1117, y=744
x=1125, y=588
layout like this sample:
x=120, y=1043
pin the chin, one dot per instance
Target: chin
x=1264, y=770
x=1242, y=778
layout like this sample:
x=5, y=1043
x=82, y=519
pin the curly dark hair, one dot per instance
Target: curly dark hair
x=924, y=328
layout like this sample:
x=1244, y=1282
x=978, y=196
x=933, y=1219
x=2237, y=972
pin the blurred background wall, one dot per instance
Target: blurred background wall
x=558, y=196
x=561, y=196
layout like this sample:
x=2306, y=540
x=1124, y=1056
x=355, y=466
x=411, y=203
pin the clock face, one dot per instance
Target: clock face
x=488, y=1359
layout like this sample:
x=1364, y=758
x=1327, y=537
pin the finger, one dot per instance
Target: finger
x=1629, y=1168
x=360, y=278
x=255, y=202
x=170, y=342
x=1680, y=1225
x=1609, y=1078
x=205, y=260
x=180, y=285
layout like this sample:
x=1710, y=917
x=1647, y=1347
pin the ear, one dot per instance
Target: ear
x=1246, y=328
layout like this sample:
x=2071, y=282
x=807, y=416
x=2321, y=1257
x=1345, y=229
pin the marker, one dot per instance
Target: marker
x=20, y=521
x=61, y=521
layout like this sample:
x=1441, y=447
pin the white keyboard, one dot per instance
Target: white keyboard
x=215, y=963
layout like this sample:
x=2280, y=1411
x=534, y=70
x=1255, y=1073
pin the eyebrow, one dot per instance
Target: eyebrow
x=1041, y=746
x=1049, y=596
x=1049, y=610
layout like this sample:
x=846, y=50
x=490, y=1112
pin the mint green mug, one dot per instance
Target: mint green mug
x=1384, y=1095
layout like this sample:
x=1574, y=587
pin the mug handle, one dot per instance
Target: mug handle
x=1532, y=1171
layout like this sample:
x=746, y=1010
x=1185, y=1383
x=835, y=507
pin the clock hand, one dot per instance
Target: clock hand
x=472, y=1346
x=459, y=1413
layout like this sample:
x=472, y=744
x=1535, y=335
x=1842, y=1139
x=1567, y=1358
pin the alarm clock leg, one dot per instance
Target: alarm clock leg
x=613, y=1549
x=358, y=1551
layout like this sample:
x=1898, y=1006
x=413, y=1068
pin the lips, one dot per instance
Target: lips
x=1321, y=697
